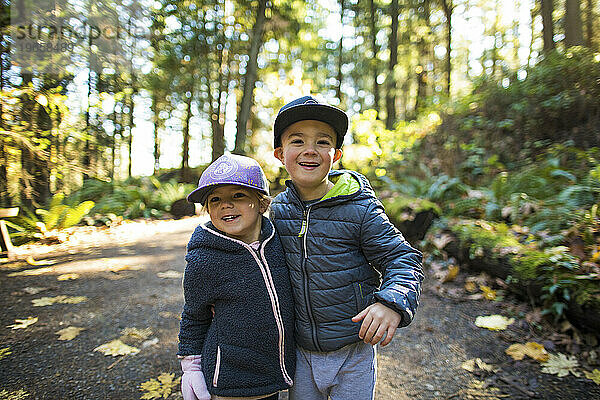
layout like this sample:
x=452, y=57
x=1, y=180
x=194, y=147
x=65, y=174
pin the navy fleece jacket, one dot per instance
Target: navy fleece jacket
x=248, y=346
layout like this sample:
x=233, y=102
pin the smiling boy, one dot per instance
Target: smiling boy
x=354, y=277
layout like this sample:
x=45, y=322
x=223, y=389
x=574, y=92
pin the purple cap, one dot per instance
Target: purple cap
x=230, y=169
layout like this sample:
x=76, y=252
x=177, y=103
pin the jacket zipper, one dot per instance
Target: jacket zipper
x=217, y=367
x=270, y=285
x=303, y=234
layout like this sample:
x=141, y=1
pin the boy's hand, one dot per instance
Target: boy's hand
x=378, y=320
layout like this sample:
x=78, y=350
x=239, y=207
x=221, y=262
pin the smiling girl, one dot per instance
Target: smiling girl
x=236, y=267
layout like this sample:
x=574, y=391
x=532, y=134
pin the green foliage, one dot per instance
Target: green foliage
x=554, y=269
x=398, y=204
x=134, y=198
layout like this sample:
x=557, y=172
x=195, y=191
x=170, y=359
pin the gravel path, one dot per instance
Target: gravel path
x=131, y=276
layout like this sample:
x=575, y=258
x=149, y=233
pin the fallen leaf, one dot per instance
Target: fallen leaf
x=160, y=387
x=69, y=333
x=23, y=323
x=470, y=365
x=135, y=333
x=14, y=395
x=169, y=274
x=169, y=314
x=34, y=290
x=66, y=277
x=74, y=300
x=32, y=272
x=5, y=352
x=124, y=267
x=594, y=376
x=561, y=365
x=477, y=389
x=470, y=286
x=31, y=261
x=150, y=342
x=488, y=293
x=116, y=348
x=493, y=322
x=452, y=273
x=518, y=351
x=48, y=301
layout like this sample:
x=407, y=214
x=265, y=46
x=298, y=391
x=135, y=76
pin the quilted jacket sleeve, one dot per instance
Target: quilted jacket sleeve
x=197, y=315
x=399, y=264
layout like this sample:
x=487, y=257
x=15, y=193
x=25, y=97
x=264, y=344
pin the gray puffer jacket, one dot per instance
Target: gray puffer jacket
x=344, y=254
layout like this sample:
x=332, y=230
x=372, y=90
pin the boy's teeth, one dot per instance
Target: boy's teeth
x=229, y=218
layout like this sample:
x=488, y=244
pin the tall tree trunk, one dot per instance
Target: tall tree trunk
x=185, y=151
x=533, y=37
x=573, y=28
x=4, y=198
x=424, y=58
x=375, y=49
x=156, y=121
x=250, y=78
x=390, y=96
x=338, y=89
x=448, y=9
x=113, y=143
x=589, y=24
x=546, y=9
x=129, y=106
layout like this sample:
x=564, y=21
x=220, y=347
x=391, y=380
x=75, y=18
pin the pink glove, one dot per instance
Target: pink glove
x=193, y=386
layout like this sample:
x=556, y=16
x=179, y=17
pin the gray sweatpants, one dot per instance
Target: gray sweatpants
x=345, y=374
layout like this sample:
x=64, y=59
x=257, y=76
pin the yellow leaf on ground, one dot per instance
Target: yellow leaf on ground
x=31, y=261
x=66, y=277
x=69, y=333
x=14, y=395
x=5, y=352
x=518, y=351
x=488, y=293
x=32, y=272
x=48, y=301
x=34, y=290
x=561, y=365
x=74, y=300
x=451, y=274
x=169, y=274
x=160, y=387
x=118, y=268
x=594, y=376
x=23, y=323
x=470, y=286
x=116, y=348
x=135, y=333
x=470, y=365
x=493, y=322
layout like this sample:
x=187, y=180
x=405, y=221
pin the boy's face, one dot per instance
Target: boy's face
x=236, y=210
x=308, y=152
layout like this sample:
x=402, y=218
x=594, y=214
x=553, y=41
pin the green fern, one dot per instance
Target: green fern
x=75, y=214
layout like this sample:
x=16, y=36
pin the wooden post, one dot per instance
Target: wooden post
x=5, y=243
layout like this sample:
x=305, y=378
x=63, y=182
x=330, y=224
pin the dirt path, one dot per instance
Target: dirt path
x=118, y=274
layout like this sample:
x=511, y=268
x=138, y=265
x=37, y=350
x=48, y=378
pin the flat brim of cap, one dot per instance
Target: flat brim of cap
x=319, y=112
x=200, y=195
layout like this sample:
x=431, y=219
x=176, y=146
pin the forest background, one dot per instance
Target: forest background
x=480, y=116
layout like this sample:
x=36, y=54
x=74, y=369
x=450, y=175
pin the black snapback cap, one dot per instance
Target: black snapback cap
x=308, y=107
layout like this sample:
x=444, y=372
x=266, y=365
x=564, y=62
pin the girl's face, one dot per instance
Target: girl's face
x=236, y=211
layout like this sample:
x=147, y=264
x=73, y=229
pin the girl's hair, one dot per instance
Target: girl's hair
x=263, y=199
